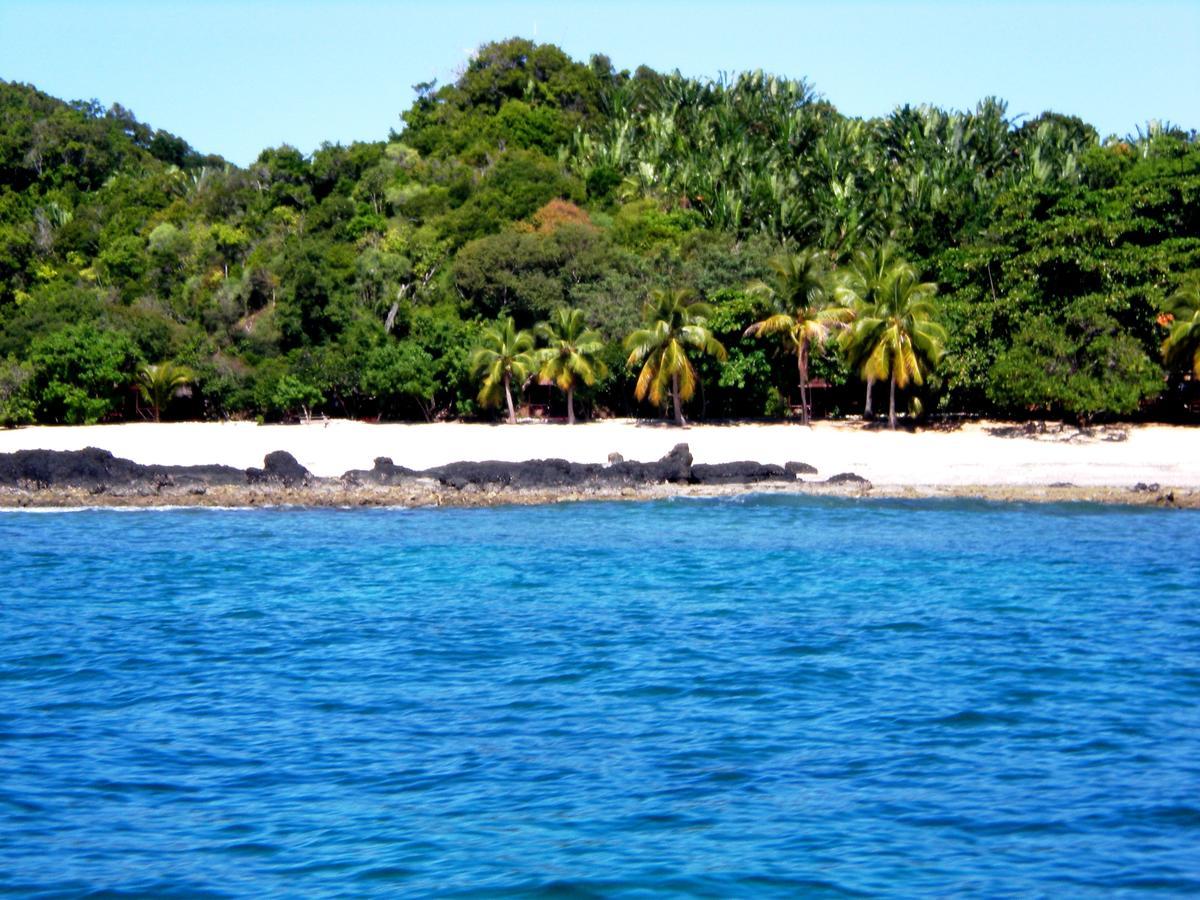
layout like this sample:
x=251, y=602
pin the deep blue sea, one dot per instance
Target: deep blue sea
x=767, y=697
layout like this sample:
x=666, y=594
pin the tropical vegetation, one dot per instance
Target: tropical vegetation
x=800, y=291
x=503, y=355
x=675, y=322
x=645, y=219
x=573, y=354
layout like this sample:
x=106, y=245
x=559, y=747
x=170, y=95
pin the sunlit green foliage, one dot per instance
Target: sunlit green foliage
x=158, y=384
x=675, y=329
x=82, y=374
x=356, y=280
x=504, y=354
x=803, y=310
x=572, y=354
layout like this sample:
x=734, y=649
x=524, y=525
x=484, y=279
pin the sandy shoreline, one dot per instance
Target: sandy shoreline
x=975, y=454
x=1134, y=465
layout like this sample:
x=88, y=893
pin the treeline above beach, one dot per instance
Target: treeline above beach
x=722, y=244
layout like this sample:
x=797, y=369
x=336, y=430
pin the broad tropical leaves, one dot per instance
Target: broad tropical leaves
x=675, y=322
x=1183, y=309
x=158, y=384
x=572, y=354
x=504, y=354
x=799, y=290
x=895, y=335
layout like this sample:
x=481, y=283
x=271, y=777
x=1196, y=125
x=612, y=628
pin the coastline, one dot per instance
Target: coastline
x=430, y=495
x=352, y=464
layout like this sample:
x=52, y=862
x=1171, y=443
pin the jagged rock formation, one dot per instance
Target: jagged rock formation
x=97, y=470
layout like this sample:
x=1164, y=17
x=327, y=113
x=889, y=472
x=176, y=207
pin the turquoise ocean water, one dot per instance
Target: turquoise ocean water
x=719, y=698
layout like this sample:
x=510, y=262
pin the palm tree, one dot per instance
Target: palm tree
x=799, y=289
x=859, y=288
x=1183, y=316
x=504, y=353
x=158, y=384
x=573, y=354
x=894, y=336
x=675, y=321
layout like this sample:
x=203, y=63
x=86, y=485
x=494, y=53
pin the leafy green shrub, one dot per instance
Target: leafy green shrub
x=82, y=374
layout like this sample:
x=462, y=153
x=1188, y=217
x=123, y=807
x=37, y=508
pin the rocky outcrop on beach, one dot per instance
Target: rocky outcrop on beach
x=98, y=470
x=279, y=467
x=42, y=474
x=94, y=477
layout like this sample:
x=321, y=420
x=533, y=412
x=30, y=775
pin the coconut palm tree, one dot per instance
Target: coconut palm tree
x=675, y=321
x=859, y=289
x=572, y=354
x=894, y=335
x=504, y=353
x=1183, y=316
x=805, y=314
x=159, y=383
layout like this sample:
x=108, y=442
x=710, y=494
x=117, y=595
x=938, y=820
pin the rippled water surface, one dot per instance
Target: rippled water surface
x=763, y=697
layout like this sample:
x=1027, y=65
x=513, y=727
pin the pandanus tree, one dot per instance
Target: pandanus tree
x=572, y=354
x=1182, y=316
x=894, y=335
x=805, y=312
x=675, y=322
x=158, y=384
x=504, y=354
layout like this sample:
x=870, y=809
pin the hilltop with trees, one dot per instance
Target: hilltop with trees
x=541, y=223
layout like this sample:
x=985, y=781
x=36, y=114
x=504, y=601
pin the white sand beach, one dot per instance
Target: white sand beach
x=977, y=453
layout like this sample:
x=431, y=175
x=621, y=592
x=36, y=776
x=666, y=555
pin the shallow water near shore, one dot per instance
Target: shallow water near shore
x=763, y=695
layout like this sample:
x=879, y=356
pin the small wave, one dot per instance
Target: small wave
x=385, y=873
x=971, y=718
x=251, y=848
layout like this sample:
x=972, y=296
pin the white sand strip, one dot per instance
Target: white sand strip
x=971, y=455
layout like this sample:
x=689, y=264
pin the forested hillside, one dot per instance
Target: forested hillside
x=361, y=281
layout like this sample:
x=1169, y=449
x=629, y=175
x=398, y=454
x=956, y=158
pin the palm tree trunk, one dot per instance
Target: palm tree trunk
x=868, y=412
x=679, y=420
x=802, y=365
x=892, y=403
x=512, y=414
x=571, y=405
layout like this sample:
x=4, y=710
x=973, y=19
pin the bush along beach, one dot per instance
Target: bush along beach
x=547, y=236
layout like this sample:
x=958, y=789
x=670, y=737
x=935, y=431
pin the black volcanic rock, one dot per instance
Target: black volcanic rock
x=280, y=467
x=676, y=467
x=532, y=473
x=846, y=478
x=69, y=468
x=800, y=468
x=98, y=470
x=384, y=472
x=93, y=468
x=207, y=475
x=743, y=472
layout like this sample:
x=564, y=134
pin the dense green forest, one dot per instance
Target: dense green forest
x=723, y=243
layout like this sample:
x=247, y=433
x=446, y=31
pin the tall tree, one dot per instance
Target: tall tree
x=675, y=321
x=572, y=354
x=859, y=289
x=805, y=313
x=504, y=353
x=894, y=334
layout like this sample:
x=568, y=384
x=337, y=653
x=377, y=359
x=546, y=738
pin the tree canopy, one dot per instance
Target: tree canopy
x=356, y=280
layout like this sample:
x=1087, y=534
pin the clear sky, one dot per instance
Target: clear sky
x=235, y=77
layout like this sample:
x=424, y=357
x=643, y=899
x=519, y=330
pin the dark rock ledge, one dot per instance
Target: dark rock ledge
x=95, y=472
x=91, y=477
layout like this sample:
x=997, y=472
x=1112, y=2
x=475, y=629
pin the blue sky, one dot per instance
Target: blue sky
x=233, y=78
